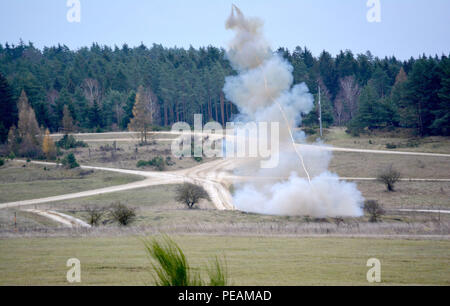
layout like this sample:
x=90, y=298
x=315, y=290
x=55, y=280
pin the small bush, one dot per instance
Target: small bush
x=70, y=161
x=122, y=214
x=309, y=130
x=69, y=142
x=354, y=128
x=374, y=209
x=141, y=164
x=11, y=156
x=389, y=177
x=391, y=146
x=2, y=162
x=157, y=162
x=169, y=161
x=173, y=269
x=95, y=215
x=190, y=194
x=412, y=143
x=198, y=159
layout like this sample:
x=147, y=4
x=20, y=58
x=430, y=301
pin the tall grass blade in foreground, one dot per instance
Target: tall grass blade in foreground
x=172, y=267
x=218, y=275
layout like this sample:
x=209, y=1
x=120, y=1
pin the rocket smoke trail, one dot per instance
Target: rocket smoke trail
x=263, y=91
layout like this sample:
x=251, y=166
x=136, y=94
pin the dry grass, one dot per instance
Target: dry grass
x=348, y=164
x=411, y=195
x=403, y=139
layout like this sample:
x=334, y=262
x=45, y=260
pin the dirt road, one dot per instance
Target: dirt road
x=65, y=220
x=207, y=175
x=216, y=176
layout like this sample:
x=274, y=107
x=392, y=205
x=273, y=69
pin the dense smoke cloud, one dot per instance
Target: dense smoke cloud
x=264, y=91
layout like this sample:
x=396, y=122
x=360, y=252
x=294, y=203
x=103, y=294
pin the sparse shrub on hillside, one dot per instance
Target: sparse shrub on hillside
x=389, y=177
x=173, y=269
x=95, y=214
x=70, y=161
x=190, y=194
x=374, y=209
x=122, y=214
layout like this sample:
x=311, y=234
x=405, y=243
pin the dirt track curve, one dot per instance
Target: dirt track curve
x=215, y=177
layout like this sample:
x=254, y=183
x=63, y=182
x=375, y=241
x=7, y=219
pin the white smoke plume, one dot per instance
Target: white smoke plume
x=264, y=91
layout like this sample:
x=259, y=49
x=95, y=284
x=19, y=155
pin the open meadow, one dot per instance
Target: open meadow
x=293, y=261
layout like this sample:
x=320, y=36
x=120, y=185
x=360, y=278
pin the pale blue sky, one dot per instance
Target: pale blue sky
x=408, y=27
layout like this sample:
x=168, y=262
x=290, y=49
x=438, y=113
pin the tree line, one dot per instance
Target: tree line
x=105, y=88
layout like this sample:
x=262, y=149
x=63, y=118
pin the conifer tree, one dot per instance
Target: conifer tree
x=8, y=109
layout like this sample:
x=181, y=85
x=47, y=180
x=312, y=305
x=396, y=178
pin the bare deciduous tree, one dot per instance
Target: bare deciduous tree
x=122, y=214
x=92, y=91
x=389, y=177
x=95, y=214
x=338, y=110
x=190, y=194
x=348, y=95
x=374, y=209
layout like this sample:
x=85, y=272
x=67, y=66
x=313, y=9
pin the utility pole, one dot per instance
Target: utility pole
x=320, y=115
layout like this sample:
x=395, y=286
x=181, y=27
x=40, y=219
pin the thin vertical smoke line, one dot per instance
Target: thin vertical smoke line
x=300, y=156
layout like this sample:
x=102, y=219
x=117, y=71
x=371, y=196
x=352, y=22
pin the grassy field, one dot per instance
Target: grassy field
x=250, y=261
x=34, y=181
